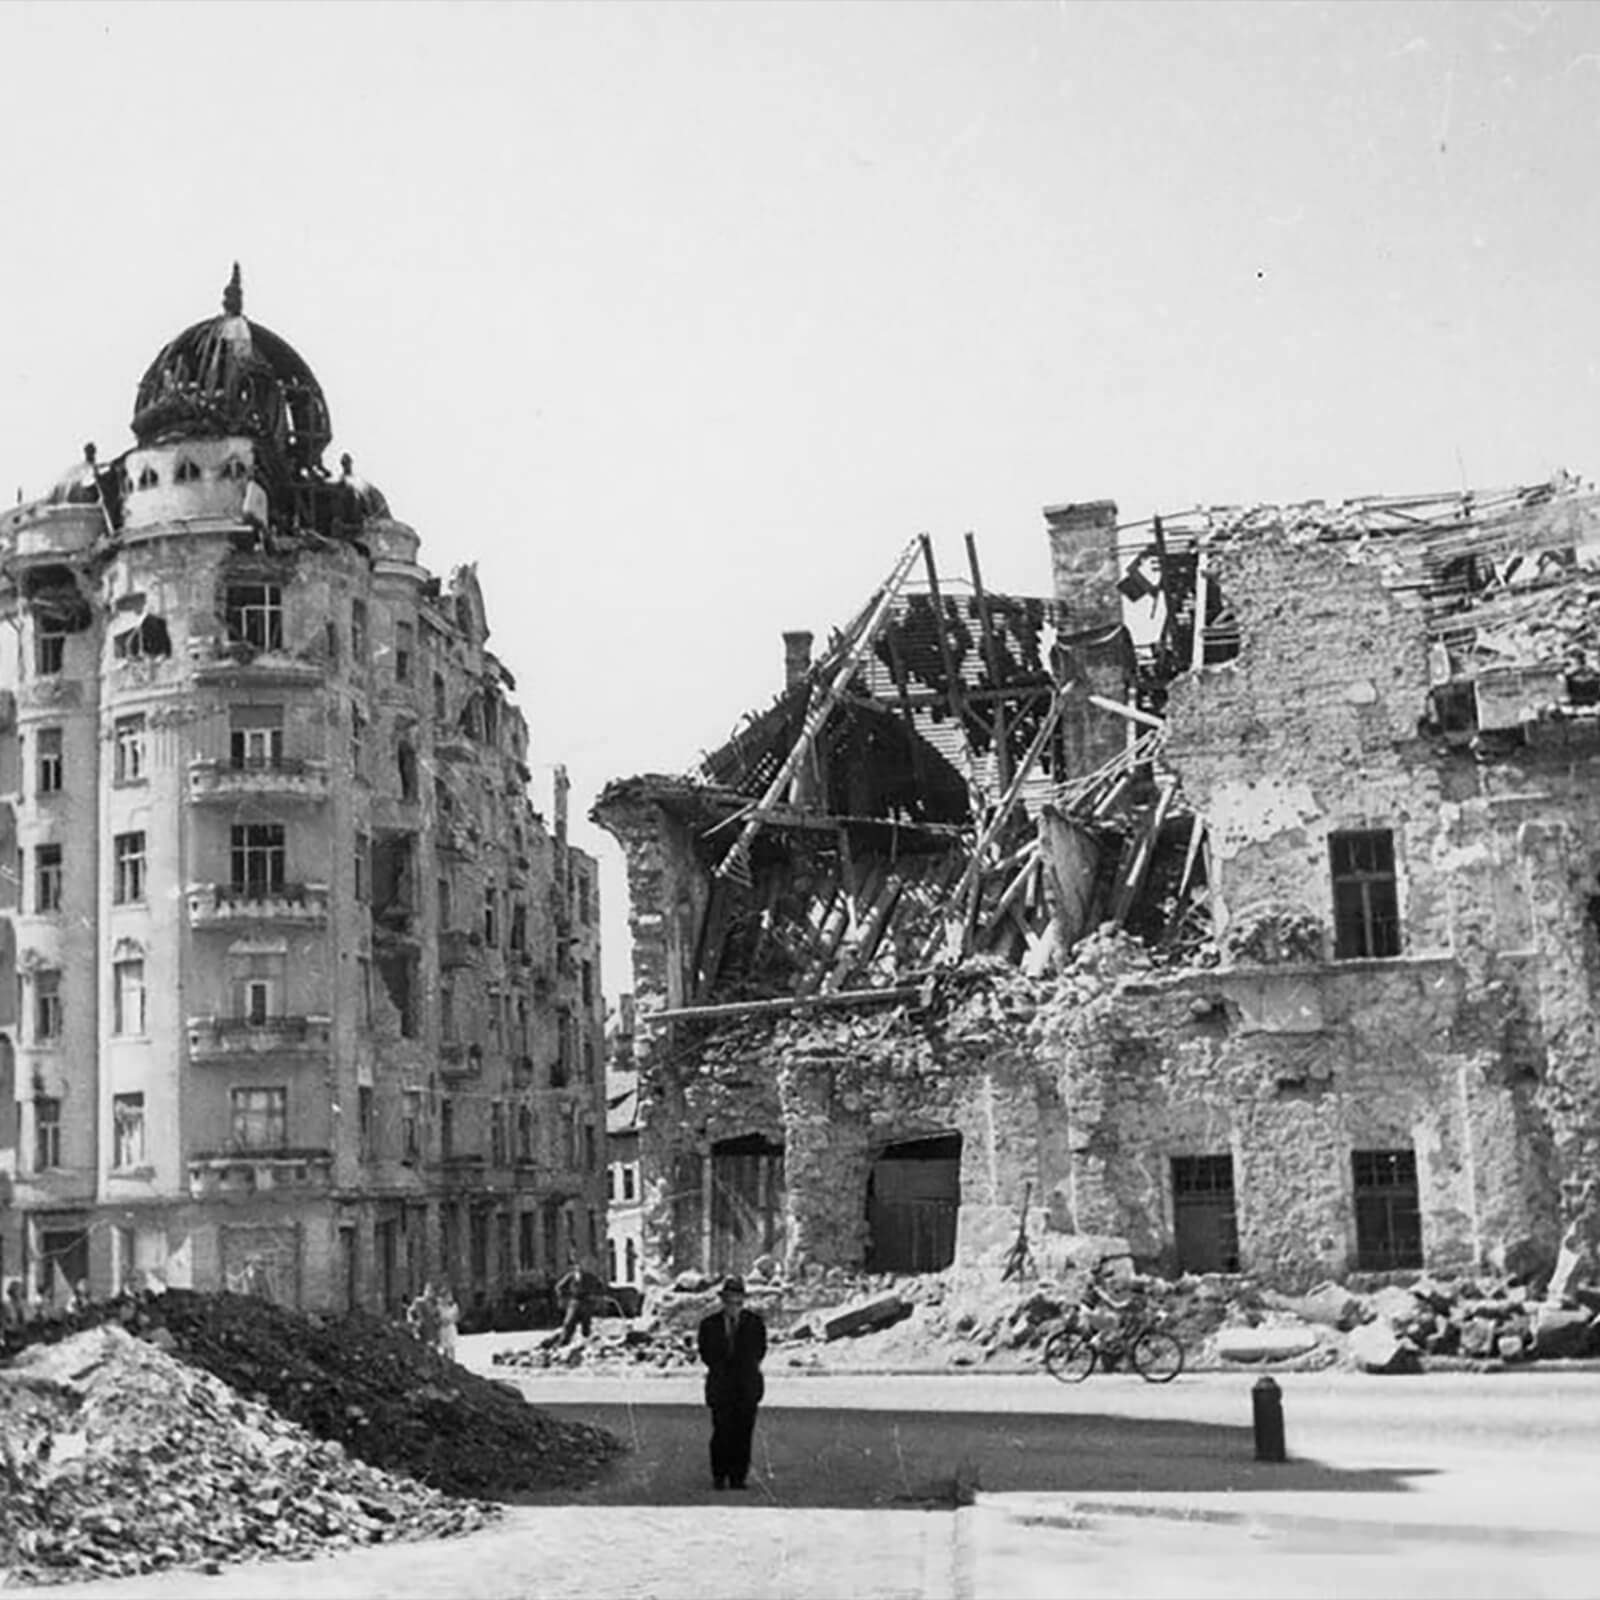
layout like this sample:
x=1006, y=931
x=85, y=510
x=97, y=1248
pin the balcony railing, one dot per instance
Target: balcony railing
x=282, y=779
x=238, y=1038
x=223, y=904
x=221, y=660
x=223, y=1173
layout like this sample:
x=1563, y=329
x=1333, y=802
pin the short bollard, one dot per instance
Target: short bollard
x=1266, y=1399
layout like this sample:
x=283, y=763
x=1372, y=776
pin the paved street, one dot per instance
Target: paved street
x=1440, y=1486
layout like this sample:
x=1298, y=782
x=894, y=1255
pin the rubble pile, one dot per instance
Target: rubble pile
x=367, y=1384
x=116, y=1459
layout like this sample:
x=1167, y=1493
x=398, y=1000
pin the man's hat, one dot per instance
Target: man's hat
x=732, y=1284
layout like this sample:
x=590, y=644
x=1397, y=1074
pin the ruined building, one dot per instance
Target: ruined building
x=305, y=992
x=1238, y=900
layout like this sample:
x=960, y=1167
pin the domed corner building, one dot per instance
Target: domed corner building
x=306, y=997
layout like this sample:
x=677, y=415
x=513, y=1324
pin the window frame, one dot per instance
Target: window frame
x=49, y=879
x=49, y=760
x=129, y=877
x=1388, y=1210
x=253, y=615
x=129, y=750
x=46, y=1133
x=122, y=990
x=250, y=843
x=49, y=652
x=259, y=1107
x=128, y=1131
x=1365, y=891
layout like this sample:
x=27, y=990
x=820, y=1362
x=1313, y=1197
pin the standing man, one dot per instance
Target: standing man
x=733, y=1342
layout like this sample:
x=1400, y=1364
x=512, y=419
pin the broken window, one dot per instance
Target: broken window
x=404, y=635
x=253, y=615
x=406, y=765
x=259, y=858
x=127, y=1126
x=1388, y=1212
x=1204, y=1219
x=260, y=1119
x=255, y=736
x=397, y=968
x=128, y=749
x=49, y=761
x=149, y=640
x=1366, y=904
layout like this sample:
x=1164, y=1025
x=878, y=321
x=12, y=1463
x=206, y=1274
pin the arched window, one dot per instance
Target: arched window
x=148, y=478
x=187, y=472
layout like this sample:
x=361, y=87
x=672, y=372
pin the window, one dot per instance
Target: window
x=519, y=926
x=149, y=640
x=491, y=917
x=591, y=1148
x=364, y=1119
x=46, y=1005
x=588, y=1056
x=128, y=749
x=358, y=741
x=478, y=1244
x=127, y=996
x=358, y=630
x=1388, y=1215
x=585, y=899
x=148, y=478
x=49, y=761
x=260, y=1119
x=255, y=736
x=527, y=1233
x=363, y=868
x=127, y=1131
x=1204, y=1221
x=403, y=635
x=627, y=1180
x=46, y=1133
x=258, y=1001
x=447, y=1129
x=588, y=984
x=410, y=1120
x=442, y=894
x=497, y=1134
x=561, y=1067
x=127, y=883
x=364, y=990
x=47, y=878
x=49, y=651
x=524, y=1133
x=406, y=767
x=447, y=1010
x=1366, y=906
x=186, y=472
x=254, y=615
x=259, y=855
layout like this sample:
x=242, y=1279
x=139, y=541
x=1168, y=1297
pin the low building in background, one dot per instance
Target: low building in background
x=303, y=993
x=1238, y=901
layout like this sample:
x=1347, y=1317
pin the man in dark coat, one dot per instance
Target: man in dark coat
x=733, y=1342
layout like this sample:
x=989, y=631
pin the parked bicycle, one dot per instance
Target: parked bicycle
x=1103, y=1329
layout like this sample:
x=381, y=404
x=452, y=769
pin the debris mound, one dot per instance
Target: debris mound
x=117, y=1459
x=369, y=1385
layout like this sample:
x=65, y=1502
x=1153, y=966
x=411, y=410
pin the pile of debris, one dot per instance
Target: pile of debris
x=367, y=1384
x=116, y=1458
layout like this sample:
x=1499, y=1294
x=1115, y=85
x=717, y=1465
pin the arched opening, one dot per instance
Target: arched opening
x=913, y=1201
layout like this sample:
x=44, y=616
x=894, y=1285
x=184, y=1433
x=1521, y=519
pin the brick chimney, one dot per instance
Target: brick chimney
x=796, y=656
x=1083, y=559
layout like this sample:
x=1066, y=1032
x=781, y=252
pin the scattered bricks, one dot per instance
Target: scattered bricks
x=1477, y=1338
x=1331, y=1306
x=1510, y=1347
x=1376, y=1347
x=864, y=1317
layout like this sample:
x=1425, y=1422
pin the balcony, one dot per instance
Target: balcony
x=228, y=1039
x=218, y=905
x=233, y=661
x=458, y=1060
x=225, y=1174
x=459, y=947
x=281, y=779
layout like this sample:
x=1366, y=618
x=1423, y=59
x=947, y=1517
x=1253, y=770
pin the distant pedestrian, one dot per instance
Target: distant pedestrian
x=449, y=1312
x=422, y=1317
x=577, y=1290
x=733, y=1344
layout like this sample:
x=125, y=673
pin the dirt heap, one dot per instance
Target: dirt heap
x=368, y=1385
x=120, y=1459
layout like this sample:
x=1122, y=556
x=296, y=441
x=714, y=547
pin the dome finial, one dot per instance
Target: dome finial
x=233, y=295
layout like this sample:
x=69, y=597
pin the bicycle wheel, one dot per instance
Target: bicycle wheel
x=1069, y=1356
x=1157, y=1356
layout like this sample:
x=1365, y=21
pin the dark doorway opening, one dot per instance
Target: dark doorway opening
x=1204, y=1220
x=913, y=1202
x=746, y=1202
x=1388, y=1211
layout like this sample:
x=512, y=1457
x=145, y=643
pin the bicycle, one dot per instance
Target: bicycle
x=1101, y=1328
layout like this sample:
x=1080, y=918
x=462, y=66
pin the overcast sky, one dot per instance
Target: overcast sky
x=681, y=319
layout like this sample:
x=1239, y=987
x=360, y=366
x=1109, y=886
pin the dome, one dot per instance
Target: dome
x=230, y=376
x=368, y=496
x=79, y=485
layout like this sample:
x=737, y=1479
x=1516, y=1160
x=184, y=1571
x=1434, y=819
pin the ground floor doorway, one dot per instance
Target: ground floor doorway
x=913, y=1203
